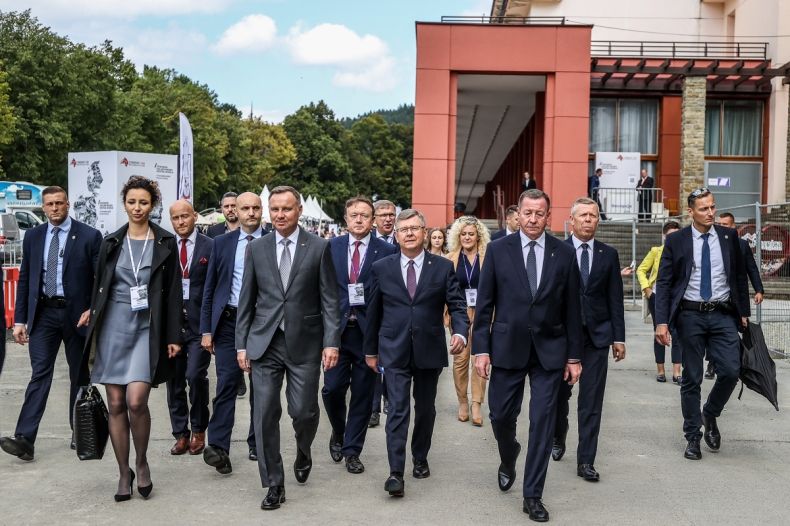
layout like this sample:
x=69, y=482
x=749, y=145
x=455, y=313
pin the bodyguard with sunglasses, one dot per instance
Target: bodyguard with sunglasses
x=703, y=293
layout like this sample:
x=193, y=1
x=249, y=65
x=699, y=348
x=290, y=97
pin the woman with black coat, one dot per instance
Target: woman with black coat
x=134, y=327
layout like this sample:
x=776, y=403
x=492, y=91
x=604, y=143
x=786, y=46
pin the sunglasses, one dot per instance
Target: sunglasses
x=698, y=192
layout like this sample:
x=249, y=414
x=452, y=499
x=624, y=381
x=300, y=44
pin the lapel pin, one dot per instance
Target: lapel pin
x=726, y=236
x=73, y=237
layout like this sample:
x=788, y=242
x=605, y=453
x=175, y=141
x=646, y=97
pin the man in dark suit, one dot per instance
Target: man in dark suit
x=384, y=213
x=228, y=206
x=528, y=183
x=288, y=325
x=593, y=186
x=644, y=194
x=511, y=223
x=218, y=316
x=603, y=326
x=53, y=294
x=406, y=337
x=190, y=367
x=528, y=322
x=702, y=292
x=353, y=255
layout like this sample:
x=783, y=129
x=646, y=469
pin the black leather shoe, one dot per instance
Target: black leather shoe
x=253, y=454
x=394, y=485
x=374, y=419
x=18, y=446
x=677, y=380
x=712, y=436
x=587, y=472
x=302, y=466
x=126, y=496
x=506, y=475
x=335, y=446
x=558, y=449
x=386, y=406
x=421, y=469
x=217, y=458
x=73, y=445
x=692, y=450
x=536, y=510
x=354, y=465
x=274, y=498
x=709, y=373
x=242, y=387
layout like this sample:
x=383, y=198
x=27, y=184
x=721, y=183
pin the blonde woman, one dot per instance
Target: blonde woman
x=437, y=242
x=466, y=242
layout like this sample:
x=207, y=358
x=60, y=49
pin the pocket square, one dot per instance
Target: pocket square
x=203, y=260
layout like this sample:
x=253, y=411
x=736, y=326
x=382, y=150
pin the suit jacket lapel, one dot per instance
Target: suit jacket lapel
x=398, y=274
x=688, y=248
x=548, y=266
x=160, y=251
x=517, y=254
x=724, y=243
x=304, y=245
x=370, y=257
x=197, y=253
x=340, y=258
x=270, y=250
x=427, y=268
x=71, y=239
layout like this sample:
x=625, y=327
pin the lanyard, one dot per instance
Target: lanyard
x=136, y=269
x=361, y=256
x=184, y=269
x=469, y=271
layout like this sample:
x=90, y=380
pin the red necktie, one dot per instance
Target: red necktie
x=184, y=269
x=352, y=278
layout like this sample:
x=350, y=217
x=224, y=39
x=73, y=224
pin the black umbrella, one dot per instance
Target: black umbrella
x=758, y=371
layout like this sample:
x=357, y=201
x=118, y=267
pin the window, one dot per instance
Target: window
x=24, y=221
x=733, y=128
x=624, y=125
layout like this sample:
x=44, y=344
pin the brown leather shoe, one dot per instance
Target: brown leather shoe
x=181, y=446
x=197, y=443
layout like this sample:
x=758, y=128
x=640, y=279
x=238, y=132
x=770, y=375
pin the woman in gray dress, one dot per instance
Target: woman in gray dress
x=134, y=326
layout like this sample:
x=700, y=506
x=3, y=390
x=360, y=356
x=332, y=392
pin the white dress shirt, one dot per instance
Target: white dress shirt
x=190, y=249
x=387, y=239
x=63, y=236
x=577, y=243
x=238, y=265
x=718, y=277
x=540, y=247
x=363, y=250
x=294, y=237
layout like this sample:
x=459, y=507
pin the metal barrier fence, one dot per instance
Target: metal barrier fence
x=625, y=204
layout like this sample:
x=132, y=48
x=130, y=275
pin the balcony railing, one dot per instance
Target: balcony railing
x=680, y=50
x=507, y=20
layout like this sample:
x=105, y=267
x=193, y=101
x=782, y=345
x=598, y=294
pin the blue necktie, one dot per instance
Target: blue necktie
x=532, y=269
x=51, y=277
x=705, y=287
x=585, y=264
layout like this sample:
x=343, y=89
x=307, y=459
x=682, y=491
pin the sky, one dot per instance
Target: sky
x=271, y=55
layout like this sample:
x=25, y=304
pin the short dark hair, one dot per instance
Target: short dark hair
x=535, y=194
x=670, y=225
x=697, y=194
x=227, y=195
x=512, y=209
x=360, y=199
x=726, y=215
x=599, y=170
x=138, y=182
x=283, y=189
x=53, y=190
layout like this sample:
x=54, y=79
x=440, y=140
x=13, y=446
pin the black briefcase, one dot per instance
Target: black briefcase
x=91, y=426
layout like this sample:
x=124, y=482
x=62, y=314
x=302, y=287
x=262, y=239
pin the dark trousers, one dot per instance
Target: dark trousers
x=223, y=414
x=658, y=349
x=505, y=395
x=352, y=372
x=399, y=387
x=645, y=198
x=50, y=329
x=379, y=392
x=592, y=384
x=301, y=393
x=190, y=367
x=718, y=333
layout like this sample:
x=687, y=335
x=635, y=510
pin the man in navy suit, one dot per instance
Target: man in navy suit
x=190, y=367
x=53, y=294
x=353, y=255
x=511, y=223
x=218, y=327
x=405, y=335
x=603, y=326
x=228, y=206
x=384, y=213
x=703, y=293
x=528, y=323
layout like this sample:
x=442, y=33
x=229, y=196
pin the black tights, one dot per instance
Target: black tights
x=128, y=408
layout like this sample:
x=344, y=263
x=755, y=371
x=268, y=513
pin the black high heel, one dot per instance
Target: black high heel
x=145, y=491
x=124, y=498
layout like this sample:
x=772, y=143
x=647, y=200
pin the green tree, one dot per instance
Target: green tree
x=7, y=119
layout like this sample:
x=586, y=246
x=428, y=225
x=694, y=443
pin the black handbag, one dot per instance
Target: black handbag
x=91, y=424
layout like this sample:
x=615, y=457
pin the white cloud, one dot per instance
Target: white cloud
x=252, y=33
x=73, y=9
x=334, y=44
x=375, y=77
x=171, y=47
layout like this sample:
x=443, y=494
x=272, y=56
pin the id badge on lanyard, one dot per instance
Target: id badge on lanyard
x=356, y=294
x=139, y=293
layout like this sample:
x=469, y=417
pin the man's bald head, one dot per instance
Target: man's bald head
x=249, y=209
x=183, y=217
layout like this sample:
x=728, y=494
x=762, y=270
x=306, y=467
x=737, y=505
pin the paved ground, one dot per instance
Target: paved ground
x=645, y=479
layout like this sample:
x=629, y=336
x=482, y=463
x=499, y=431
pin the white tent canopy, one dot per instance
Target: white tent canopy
x=265, y=204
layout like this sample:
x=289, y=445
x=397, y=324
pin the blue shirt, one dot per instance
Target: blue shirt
x=718, y=277
x=238, y=265
x=63, y=235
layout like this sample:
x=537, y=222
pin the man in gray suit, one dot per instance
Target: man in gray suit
x=287, y=326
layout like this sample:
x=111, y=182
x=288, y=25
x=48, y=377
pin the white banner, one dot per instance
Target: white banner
x=185, y=171
x=621, y=172
x=96, y=179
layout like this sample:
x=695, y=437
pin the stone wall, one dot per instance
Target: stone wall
x=692, y=138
